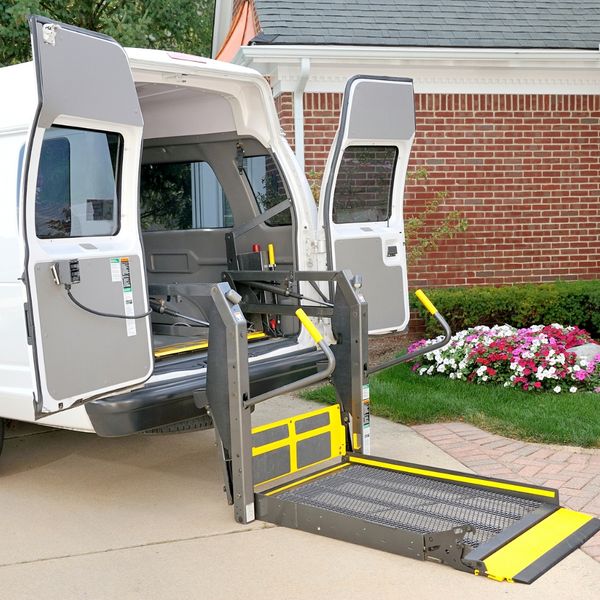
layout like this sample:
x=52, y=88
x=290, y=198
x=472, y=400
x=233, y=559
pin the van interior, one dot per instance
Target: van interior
x=199, y=181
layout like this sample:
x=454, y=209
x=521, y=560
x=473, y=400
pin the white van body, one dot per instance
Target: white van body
x=56, y=360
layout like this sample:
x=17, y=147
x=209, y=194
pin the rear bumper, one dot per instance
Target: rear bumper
x=163, y=402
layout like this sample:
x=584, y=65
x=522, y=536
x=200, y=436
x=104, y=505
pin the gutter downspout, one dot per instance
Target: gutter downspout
x=299, y=110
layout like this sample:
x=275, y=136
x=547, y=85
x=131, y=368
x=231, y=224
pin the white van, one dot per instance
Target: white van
x=121, y=170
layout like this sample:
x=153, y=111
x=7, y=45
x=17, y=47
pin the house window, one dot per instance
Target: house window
x=363, y=189
x=77, y=184
x=179, y=196
x=267, y=185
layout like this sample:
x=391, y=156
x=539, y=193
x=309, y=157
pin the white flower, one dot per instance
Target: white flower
x=556, y=389
x=572, y=389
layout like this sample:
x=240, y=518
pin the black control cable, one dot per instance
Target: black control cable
x=104, y=314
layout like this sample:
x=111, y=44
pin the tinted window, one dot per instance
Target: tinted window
x=77, y=191
x=267, y=184
x=363, y=190
x=177, y=196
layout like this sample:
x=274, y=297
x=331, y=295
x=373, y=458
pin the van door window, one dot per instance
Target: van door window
x=77, y=183
x=178, y=196
x=363, y=190
x=267, y=185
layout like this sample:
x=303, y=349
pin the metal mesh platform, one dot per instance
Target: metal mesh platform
x=413, y=503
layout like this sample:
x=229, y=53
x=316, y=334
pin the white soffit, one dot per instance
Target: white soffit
x=434, y=70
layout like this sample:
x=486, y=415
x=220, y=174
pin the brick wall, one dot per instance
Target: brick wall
x=523, y=169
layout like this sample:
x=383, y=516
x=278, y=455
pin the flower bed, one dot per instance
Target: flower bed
x=531, y=359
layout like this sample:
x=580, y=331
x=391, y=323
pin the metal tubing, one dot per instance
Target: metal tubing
x=420, y=351
x=271, y=276
x=301, y=383
x=274, y=289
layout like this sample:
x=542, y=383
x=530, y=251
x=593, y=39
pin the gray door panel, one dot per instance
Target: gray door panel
x=361, y=208
x=84, y=83
x=82, y=351
x=83, y=74
x=372, y=104
x=382, y=285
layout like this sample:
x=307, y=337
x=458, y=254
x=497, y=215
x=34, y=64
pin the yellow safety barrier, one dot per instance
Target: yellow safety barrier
x=531, y=546
x=324, y=425
x=470, y=479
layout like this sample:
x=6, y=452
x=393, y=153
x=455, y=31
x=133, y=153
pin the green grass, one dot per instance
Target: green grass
x=400, y=395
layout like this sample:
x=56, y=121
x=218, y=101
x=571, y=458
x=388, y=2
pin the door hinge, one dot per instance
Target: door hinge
x=49, y=33
x=28, y=323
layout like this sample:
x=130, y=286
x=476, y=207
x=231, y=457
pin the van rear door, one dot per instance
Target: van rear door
x=362, y=194
x=80, y=220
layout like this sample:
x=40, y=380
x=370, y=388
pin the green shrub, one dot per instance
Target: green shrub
x=564, y=302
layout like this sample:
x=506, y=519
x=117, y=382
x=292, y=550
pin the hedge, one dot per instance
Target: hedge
x=564, y=302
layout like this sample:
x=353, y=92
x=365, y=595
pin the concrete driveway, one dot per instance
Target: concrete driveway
x=145, y=517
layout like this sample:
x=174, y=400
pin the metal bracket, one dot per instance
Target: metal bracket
x=448, y=547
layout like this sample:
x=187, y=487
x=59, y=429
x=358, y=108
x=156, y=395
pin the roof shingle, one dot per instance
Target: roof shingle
x=560, y=24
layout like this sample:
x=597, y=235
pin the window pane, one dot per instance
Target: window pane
x=267, y=184
x=363, y=190
x=77, y=192
x=176, y=196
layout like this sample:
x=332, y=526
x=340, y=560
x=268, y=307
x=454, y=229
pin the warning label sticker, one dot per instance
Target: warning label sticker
x=120, y=271
x=366, y=425
x=115, y=269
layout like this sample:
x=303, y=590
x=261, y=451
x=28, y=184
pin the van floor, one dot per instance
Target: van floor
x=160, y=340
x=175, y=346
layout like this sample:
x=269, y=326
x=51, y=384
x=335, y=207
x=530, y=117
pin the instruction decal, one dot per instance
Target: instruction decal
x=366, y=420
x=120, y=271
x=115, y=269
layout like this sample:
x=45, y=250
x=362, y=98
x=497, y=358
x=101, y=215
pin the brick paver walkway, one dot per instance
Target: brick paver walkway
x=575, y=472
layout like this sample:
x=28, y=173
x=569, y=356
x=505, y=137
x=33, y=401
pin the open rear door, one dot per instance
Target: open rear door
x=362, y=194
x=80, y=221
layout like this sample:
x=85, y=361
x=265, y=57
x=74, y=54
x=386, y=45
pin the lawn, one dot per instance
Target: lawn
x=400, y=395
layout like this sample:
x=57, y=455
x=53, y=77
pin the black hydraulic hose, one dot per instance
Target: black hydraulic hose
x=104, y=314
x=160, y=308
x=424, y=350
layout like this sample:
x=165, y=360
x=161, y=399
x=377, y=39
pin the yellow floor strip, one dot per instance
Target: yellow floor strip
x=517, y=555
x=513, y=487
x=194, y=346
x=305, y=479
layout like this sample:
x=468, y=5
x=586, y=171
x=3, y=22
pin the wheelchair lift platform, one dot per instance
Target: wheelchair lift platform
x=314, y=472
x=501, y=529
